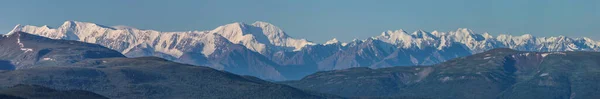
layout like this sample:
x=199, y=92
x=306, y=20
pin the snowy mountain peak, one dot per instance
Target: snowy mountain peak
x=397, y=37
x=73, y=24
x=332, y=41
x=270, y=30
x=526, y=36
x=261, y=37
x=233, y=31
x=487, y=35
x=46, y=26
x=588, y=39
x=422, y=34
x=17, y=28
x=265, y=25
x=399, y=32
x=419, y=32
x=436, y=33
x=67, y=23
x=463, y=32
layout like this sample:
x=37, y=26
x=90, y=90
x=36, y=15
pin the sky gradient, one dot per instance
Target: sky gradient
x=320, y=20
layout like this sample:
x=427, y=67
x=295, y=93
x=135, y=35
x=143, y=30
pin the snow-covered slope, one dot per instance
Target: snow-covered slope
x=169, y=45
x=481, y=42
x=261, y=37
x=264, y=50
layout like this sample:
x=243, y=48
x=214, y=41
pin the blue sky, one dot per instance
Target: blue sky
x=320, y=20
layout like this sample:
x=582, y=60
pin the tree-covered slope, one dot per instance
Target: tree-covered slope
x=39, y=92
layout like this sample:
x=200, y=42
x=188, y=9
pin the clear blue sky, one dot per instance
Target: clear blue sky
x=320, y=20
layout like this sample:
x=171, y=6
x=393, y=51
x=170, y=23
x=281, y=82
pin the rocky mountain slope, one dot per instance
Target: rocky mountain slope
x=498, y=73
x=264, y=50
x=23, y=50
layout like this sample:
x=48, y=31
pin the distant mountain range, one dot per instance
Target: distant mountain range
x=37, y=67
x=495, y=74
x=265, y=51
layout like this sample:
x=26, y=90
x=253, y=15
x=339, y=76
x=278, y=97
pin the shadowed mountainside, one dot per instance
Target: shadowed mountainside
x=39, y=92
x=149, y=77
x=23, y=50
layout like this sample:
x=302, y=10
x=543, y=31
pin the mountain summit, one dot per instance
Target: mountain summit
x=260, y=37
x=264, y=50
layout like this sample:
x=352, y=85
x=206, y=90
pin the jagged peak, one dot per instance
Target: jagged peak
x=437, y=33
x=464, y=35
x=397, y=37
x=262, y=23
x=560, y=37
x=526, y=36
x=46, y=26
x=20, y=34
x=72, y=24
x=265, y=35
x=236, y=27
x=241, y=24
x=503, y=36
x=422, y=34
x=420, y=31
x=588, y=39
x=258, y=28
x=464, y=31
x=68, y=22
x=487, y=35
x=17, y=28
x=394, y=32
x=270, y=29
x=506, y=36
x=16, y=33
x=332, y=41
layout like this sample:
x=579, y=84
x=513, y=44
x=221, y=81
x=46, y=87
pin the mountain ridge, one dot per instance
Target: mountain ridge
x=270, y=44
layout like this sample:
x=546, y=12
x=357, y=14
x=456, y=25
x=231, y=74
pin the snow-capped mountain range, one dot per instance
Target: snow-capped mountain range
x=262, y=49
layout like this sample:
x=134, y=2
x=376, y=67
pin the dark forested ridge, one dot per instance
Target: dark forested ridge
x=39, y=92
x=149, y=77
